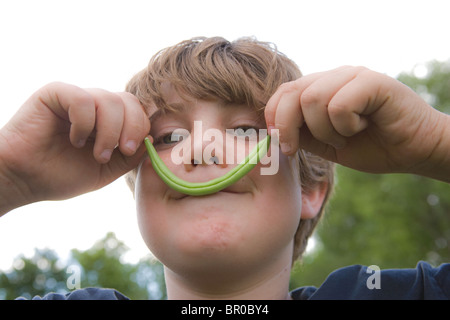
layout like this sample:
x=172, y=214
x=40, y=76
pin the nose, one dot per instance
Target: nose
x=207, y=148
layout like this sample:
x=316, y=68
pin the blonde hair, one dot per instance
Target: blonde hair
x=245, y=71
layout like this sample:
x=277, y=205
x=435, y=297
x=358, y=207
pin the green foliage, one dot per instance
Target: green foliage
x=392, y=221
x=434, y=87
x=100, y=266
x=33, y=276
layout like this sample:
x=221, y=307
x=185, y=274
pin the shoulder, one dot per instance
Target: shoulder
x=84, y=294
x=361, y=282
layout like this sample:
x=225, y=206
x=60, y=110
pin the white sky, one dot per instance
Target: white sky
x=103, y=43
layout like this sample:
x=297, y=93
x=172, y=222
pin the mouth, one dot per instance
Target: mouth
x=227, y=191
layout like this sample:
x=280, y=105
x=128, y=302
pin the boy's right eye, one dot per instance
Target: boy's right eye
x=172, y=137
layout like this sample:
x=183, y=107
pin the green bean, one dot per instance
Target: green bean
x=211, y=186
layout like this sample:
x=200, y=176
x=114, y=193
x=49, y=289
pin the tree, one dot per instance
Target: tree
x=37, y=275
x=100, y=266
x=433, y=85
x=391, y=220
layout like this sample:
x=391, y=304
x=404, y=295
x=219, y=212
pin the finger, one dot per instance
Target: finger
x=298, y=85
x=136, y=124
x=109, y=123
x=82, y=118
x=75, y=105
x=360, y=99
x=348, y=108
x=121, y=164
x=309, y=143
x=271, y=109
x=288, y=120
x=315, y=102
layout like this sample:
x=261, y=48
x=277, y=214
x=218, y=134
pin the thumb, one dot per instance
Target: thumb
x=309, y=143
x=120, y=164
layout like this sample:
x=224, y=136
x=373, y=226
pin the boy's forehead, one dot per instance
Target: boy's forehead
x=178, y=103
x=171, y=94
x=178, y=107
x=181, y=107
x=174, y=102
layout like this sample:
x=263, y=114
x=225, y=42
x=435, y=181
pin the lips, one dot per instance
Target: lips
x=234, y=189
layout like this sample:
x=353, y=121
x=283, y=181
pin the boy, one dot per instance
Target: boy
x=241, y=242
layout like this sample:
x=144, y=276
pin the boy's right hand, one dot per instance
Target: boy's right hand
x=65, y=141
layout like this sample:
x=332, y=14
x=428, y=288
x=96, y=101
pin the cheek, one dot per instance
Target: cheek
x=149, y=205
x=281, y=200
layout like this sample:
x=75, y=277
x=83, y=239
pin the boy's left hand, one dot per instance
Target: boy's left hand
x=361, y=119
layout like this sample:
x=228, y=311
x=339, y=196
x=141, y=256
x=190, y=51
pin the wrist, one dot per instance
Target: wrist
x=437, y=165
x=10, y=196
x=11, y=190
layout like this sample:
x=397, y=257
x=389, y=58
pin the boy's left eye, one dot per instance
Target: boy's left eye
x=168, y=139
x=245, y=131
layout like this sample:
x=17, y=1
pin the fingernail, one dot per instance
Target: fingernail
x=270, y=128
x=131, y=145
x=81, y=143
x=106, y=154
x=285, y=147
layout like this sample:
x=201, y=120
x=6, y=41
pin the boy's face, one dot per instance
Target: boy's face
x=248, y=224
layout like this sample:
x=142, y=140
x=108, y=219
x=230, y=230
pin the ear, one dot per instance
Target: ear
x=312, y=201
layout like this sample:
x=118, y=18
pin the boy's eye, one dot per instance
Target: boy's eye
x=172, y=137
x=167, y=139
x=245, y=131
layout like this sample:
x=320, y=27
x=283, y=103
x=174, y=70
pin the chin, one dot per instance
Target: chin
x=212, y=242
x=210, y=232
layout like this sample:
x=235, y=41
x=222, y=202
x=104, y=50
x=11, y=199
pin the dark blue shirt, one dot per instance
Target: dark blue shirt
x=357, y=282
x=349, y=283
